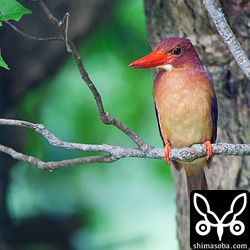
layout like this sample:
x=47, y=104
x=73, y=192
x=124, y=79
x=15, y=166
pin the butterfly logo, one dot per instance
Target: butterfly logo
x=229, y=219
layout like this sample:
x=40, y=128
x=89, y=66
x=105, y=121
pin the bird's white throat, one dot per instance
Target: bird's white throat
x=165, y=67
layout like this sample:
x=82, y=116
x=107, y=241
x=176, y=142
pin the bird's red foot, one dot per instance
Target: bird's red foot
x=167, y=151
x=209, y=149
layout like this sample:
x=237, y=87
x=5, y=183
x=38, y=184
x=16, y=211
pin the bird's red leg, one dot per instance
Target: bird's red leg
x=209, y=149
x=167, y=151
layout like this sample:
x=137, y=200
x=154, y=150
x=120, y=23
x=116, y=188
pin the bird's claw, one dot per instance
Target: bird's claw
x=167, y=151
x=209, y=149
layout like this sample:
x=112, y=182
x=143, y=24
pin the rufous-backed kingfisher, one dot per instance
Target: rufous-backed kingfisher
x=185, y=103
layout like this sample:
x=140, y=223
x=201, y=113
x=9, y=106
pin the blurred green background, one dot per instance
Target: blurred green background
x=129, y=204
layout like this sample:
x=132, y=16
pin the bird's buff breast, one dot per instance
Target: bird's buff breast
x=184, y=109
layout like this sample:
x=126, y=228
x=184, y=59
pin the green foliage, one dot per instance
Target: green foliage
x=10, y=10
x=2, y=62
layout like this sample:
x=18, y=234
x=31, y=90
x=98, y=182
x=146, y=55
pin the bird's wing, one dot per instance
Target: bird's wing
x=174, y=163
x=159, y=127
x=214, y=111
x=214, y=118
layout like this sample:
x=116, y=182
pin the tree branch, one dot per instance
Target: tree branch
x=27, y=35
x=113, y=153
x=228, y=36
x=105, y=117
x=56, y=165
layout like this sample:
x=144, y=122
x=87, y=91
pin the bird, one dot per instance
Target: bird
x=185, y=104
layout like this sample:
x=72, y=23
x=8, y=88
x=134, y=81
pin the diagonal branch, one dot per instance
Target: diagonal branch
x=228, y=36
x=105, y=117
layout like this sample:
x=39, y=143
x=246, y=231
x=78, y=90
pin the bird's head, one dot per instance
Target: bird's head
x=169, y=54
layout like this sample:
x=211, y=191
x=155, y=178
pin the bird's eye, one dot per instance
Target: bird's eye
x=177, y=51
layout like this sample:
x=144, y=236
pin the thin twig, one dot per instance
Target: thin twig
x=66, y=17
x=228, y=36
x=29, y=36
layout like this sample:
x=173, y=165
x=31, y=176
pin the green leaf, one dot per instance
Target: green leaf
x=12, y=10
x=3, y=63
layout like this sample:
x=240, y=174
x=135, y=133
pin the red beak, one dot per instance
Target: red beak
x=156, y=58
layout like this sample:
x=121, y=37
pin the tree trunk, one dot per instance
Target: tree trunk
x=190, y=19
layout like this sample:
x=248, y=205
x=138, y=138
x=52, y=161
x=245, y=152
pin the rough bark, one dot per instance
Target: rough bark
x=190, y=19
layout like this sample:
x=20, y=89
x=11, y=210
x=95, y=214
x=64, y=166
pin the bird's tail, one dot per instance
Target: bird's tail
x=197, y=182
